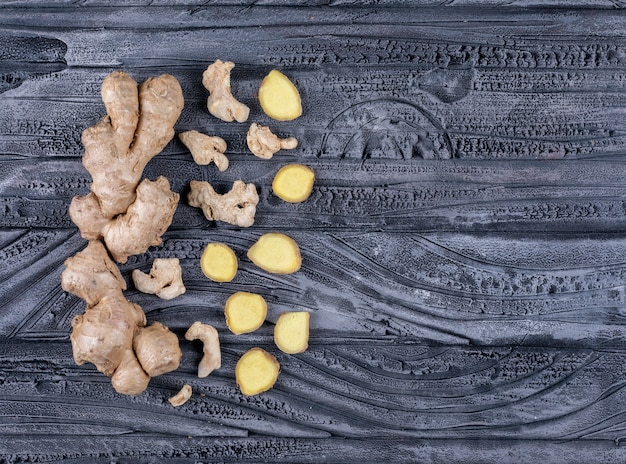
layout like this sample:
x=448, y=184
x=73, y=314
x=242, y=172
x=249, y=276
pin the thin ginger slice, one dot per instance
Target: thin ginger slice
x=293, y=183
x=279, y=98
x=291, y=332
x=245, y=312
x=256, y=371
x=276, y=253
x=219, y=262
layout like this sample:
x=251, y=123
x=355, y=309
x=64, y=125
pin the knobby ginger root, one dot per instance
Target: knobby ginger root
x=237, y=207
x=279, y=98
x=293, y=183
x=205, y=148
x=105, y=334
x=291, y=332
x=221, y=103
x=276, y=253
x=165, y=279
x=245, y=312
x=263, y=143
x=181, y=397
x=219, y=262
x=212, y=358
x=256, y=371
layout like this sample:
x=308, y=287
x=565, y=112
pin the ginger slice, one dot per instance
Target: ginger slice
x=181, y=397
x=165, y=279
x=212, y=358
x=245, y=312
x=279, y=98
x=219, y=262
x=205, y=148
x=256, y=371
x=276, y=253
x=291, y=332
x=263, y=143
x=221, y=103
x=237, y=207
x=293, y=183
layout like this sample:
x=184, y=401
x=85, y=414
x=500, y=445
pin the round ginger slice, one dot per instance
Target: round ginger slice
x=218, y=262
x=293, y=183
x=245, y=312
x=256, y=371
x=276, y=253
x=291, y=332
x=279, y=98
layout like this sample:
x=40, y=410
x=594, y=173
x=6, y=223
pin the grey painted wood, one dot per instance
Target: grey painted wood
x=463, y=248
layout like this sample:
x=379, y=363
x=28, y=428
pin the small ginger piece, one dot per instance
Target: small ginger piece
x=237, y=207
x=181, y=397
x=279, y=98
x=157, y=349
x=205, y=148
x=212, y=358
x=221, y=103
x=263, y=143
x=245, y=312
x=256, y=371
x=276, y=253
x=165, y=279
x=219, y=262
x=291, y=332
x=293, y=183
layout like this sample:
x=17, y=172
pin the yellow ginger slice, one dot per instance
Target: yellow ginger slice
x=291, y=332
x=256, y=371
x=293, y=183
x=276, y=253
x=245, y=312
x=279, y=98
x=219, y=262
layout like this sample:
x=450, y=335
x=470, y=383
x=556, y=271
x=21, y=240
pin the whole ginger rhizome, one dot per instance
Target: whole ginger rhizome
x=123, y=216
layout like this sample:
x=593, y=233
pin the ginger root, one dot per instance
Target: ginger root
x=245, y=312
x=293, y=183
x=276, y=253
x=181, y=397
x=221, y=103
x=106, y=334
x=212, y=358
x=237, y=207
x=279, y=98
x=291, y=332
x=263, y=143
x=256, y=371
x=165, y=279
x=205, y=148
x=219, y=262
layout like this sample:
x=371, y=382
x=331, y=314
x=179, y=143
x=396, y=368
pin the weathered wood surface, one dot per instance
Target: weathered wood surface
x=464, y=247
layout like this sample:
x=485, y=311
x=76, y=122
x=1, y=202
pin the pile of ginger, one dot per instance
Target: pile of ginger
x=123, y=215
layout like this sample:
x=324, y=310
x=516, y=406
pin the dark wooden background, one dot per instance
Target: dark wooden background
x=464, y=247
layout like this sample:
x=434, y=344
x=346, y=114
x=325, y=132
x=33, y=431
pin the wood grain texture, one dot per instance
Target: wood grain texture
x=463, y=248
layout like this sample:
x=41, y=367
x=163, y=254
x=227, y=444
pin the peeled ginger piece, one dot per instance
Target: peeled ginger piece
x=276, y=253
x=256, y=371
x=245, y=312
x=291, y=332
x=279, y=98
x=218, y=262
x=293, y=183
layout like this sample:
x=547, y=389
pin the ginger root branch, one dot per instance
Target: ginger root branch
x=212, y=358
x=165, y=279
x=205, y=148
x=238, y=206
x=264, y=144
x=221, y=103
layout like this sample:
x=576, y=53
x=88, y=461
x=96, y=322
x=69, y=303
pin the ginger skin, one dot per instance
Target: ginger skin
x=221, y=103
x=205, y=148
x=212, y=358
x=165, y=279
x=237, y=207
x=264, y=144
x=104, y=335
